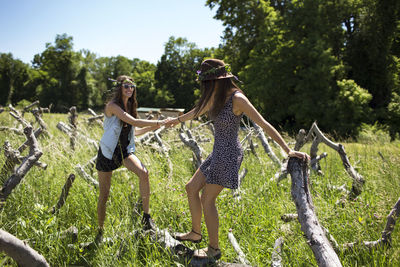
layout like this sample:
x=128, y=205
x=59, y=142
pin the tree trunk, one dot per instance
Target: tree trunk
x=322, y=249
x=23, y=254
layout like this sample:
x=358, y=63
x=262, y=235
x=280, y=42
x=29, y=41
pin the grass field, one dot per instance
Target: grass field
x=254, y=220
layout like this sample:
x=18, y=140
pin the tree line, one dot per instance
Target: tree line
x=335, y=62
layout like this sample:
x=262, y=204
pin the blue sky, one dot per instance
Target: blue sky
x=134, y=29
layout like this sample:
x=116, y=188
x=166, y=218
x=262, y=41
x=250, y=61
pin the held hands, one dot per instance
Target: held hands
x=166, y=122
x=172, y=122
x=300, y=155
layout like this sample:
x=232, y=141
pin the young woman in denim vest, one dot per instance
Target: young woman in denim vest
x=117, y=147
x=225, y=104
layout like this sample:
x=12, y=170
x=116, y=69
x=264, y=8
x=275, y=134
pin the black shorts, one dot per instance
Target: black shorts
x=104, y=164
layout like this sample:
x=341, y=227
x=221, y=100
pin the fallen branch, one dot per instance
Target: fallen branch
x=289, y=217
x=38, y=116
x=265, y=144
x=68, y=130
x=25, y=109
x=276, y=254
x=14, y=130
x=21, y=252
x=358, y=180
x=190, y=142
x=236, y=247
x=86, y=176
x=165, y=151
x=64, y=193
x=322, y=249
x=19, y=174
x=386, y=239
x=237, y=192
x=73, y=122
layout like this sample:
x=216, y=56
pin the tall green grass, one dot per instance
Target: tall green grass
x=254, y=220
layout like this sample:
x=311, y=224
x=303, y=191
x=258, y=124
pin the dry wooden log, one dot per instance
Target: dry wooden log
x=386, y=238
x=14, y=130
x=283, y=172
x=276, y=254
x=38, y=116
x=265, y=144
x=21, y=252
x=289, y=217
x=10, y=161
x=358, y=180
x=86, y=176
x=322, y=249
x=190, y=142
x=34, y=154
x=18, y=116
x=68, y=130
x=236, y=247
x=73, y=116
x=64, y=193
x=164, y=150
x=97, y=117
x=25, y=109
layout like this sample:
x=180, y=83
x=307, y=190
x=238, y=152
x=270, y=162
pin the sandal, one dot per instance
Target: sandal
x=208, y=252
x=180, y=238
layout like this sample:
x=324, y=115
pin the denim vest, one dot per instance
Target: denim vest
x=112, y=129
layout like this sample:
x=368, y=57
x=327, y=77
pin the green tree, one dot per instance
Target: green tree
x=176, y=73
x=14, y=74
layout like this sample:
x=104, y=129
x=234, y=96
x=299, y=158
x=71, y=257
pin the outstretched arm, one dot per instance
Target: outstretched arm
x=144, y=130
x=187, y=116
x=242, y=105
x=114, y=109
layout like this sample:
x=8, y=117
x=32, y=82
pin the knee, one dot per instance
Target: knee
x=207, y=201
x=144, y=175
x=190, y=189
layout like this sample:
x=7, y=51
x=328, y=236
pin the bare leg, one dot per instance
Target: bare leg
x=133, y=164
x=208, y=198
x=104, y=186
x=193, y=187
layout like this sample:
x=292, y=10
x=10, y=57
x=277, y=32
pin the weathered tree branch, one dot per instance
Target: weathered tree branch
x=236, y=247
x=21, y=252
x=86, y=176
x=386, y=238
x=276, y=254
x=14, y=130
x=25, y=109
x=358, y=180
x=322, y=249
x=266, y=146
x=19, y=174
x=64, y=193
x=68, y=130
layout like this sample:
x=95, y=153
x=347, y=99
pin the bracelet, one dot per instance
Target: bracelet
x=179, y=119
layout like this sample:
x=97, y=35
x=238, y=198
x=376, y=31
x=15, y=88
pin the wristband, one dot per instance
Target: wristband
x=179, y=120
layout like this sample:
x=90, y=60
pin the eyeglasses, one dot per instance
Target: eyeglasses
x=128, y=86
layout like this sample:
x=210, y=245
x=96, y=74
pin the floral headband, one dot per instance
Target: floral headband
x=116, y=83
x=216, y=71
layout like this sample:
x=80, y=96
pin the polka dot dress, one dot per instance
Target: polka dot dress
x=222, y=165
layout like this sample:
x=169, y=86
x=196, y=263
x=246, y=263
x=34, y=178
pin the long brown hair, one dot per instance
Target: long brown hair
x=221, y=88
x=117, y=96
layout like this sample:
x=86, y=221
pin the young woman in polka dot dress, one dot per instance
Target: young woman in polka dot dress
x=225, y=104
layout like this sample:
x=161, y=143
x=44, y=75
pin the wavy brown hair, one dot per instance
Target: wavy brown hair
x=117, y=96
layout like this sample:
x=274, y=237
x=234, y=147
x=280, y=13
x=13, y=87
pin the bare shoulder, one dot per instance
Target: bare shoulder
x=110, y=108
x=239, y=101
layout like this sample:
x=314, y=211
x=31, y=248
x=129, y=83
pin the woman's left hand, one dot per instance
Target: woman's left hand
x=298, y=154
